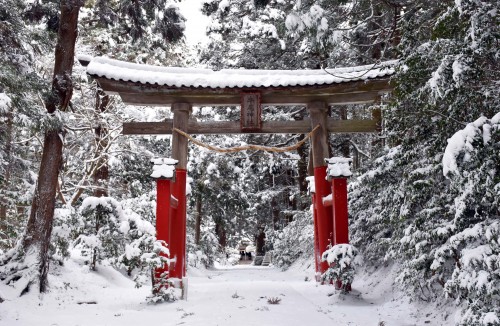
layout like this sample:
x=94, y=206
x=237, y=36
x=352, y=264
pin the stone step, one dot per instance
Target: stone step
x=267, y=259
x=258, y=260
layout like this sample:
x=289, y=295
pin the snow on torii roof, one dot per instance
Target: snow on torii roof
x=140, y=84
x=232, y=78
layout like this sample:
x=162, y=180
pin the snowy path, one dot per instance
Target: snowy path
x=239, y=297
x=235, y=296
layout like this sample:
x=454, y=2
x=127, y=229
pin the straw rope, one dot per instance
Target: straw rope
x=249, y=147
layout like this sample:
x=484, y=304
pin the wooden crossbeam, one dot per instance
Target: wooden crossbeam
x=233, y=127
x=355, y=92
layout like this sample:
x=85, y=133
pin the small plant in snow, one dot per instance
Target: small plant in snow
x=235, y=295
x=340, y=258
x=274, y=300
x=163, y=290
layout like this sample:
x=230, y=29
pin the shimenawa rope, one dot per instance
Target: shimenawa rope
x=249, y=147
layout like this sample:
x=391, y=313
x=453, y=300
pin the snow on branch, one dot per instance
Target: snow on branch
x=461, y=144
x=4, y=103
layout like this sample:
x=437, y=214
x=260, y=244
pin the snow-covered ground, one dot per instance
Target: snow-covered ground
x=236, y=296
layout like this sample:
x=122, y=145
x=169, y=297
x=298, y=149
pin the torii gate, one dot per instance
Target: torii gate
x=182, y=88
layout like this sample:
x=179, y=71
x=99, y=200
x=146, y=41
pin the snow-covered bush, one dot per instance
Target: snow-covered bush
x=207, y=251
x=296, y=239
x=99, y=235
x=158, y=259
x=125, y=239
x=472, y=163
x=341, y=261
x=61, y=233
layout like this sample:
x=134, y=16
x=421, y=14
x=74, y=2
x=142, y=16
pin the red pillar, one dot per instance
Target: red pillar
x=317, y=253
x=163, y=171
x=162, y=217
x=340, y=212
x=323, y=214
x=162, y=209
x=178, y=227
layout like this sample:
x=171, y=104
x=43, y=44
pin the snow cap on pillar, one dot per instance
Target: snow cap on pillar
x=163, y=168
x=338, y=167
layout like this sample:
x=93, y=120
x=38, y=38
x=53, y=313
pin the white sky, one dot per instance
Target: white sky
x=196, y=22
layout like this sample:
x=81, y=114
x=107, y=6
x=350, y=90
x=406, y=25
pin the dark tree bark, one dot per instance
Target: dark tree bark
x=197, y=226
x=221, y=234
x=344, y=146
x=275, y=212
x=6, y=131
x=36, y=239
x=101, y=174
x=261, y=241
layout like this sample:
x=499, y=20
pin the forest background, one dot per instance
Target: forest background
x=425, y=195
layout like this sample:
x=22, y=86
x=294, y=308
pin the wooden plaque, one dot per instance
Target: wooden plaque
x=250, y=114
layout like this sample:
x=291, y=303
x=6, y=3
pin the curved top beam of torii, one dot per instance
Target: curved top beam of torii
x=140, y=84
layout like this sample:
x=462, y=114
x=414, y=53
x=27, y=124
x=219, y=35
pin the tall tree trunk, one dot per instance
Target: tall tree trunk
x=221, y=234
x=261, y=241
x=101, y=174
x=197, y=226
x=36, y=239
x=344, y=145
x=7, y=133
x=275, y=212
x=302, y=163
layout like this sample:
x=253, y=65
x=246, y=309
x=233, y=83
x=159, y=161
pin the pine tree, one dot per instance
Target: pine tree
x=447, y=77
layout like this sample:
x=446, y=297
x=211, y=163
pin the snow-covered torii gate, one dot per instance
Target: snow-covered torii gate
x=182, y=88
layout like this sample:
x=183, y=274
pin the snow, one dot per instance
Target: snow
x=338, y=167
x=477, y=254
x=4, y=103
x=346, y=251
x=163, y=167
x=225, y=296
x=207, y=78
x=490, y=318
x=462, y=142
x=196, y=22
x=85, y=57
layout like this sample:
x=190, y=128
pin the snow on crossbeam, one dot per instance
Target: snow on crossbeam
x=141, y=84
x=230, y=78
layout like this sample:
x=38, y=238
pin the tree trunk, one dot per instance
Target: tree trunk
x=197, y=226
x=275, y=212
x=302, y=164
x=5, y=184
x=259, y=248
x=36, y=239
x=221, y=234
x=101, y=174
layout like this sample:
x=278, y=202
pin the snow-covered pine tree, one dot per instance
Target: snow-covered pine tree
x=403, y=207
x=22, y=115
x=168, y=25
x=29, y=262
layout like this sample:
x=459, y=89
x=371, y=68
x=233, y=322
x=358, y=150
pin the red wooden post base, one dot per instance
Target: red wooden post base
x=324, y=214
x=340, y=213
x=162, y=216
x=177, y=235
x=317, y=253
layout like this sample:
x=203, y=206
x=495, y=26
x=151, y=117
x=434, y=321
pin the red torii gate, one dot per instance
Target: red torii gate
x=182, y=88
